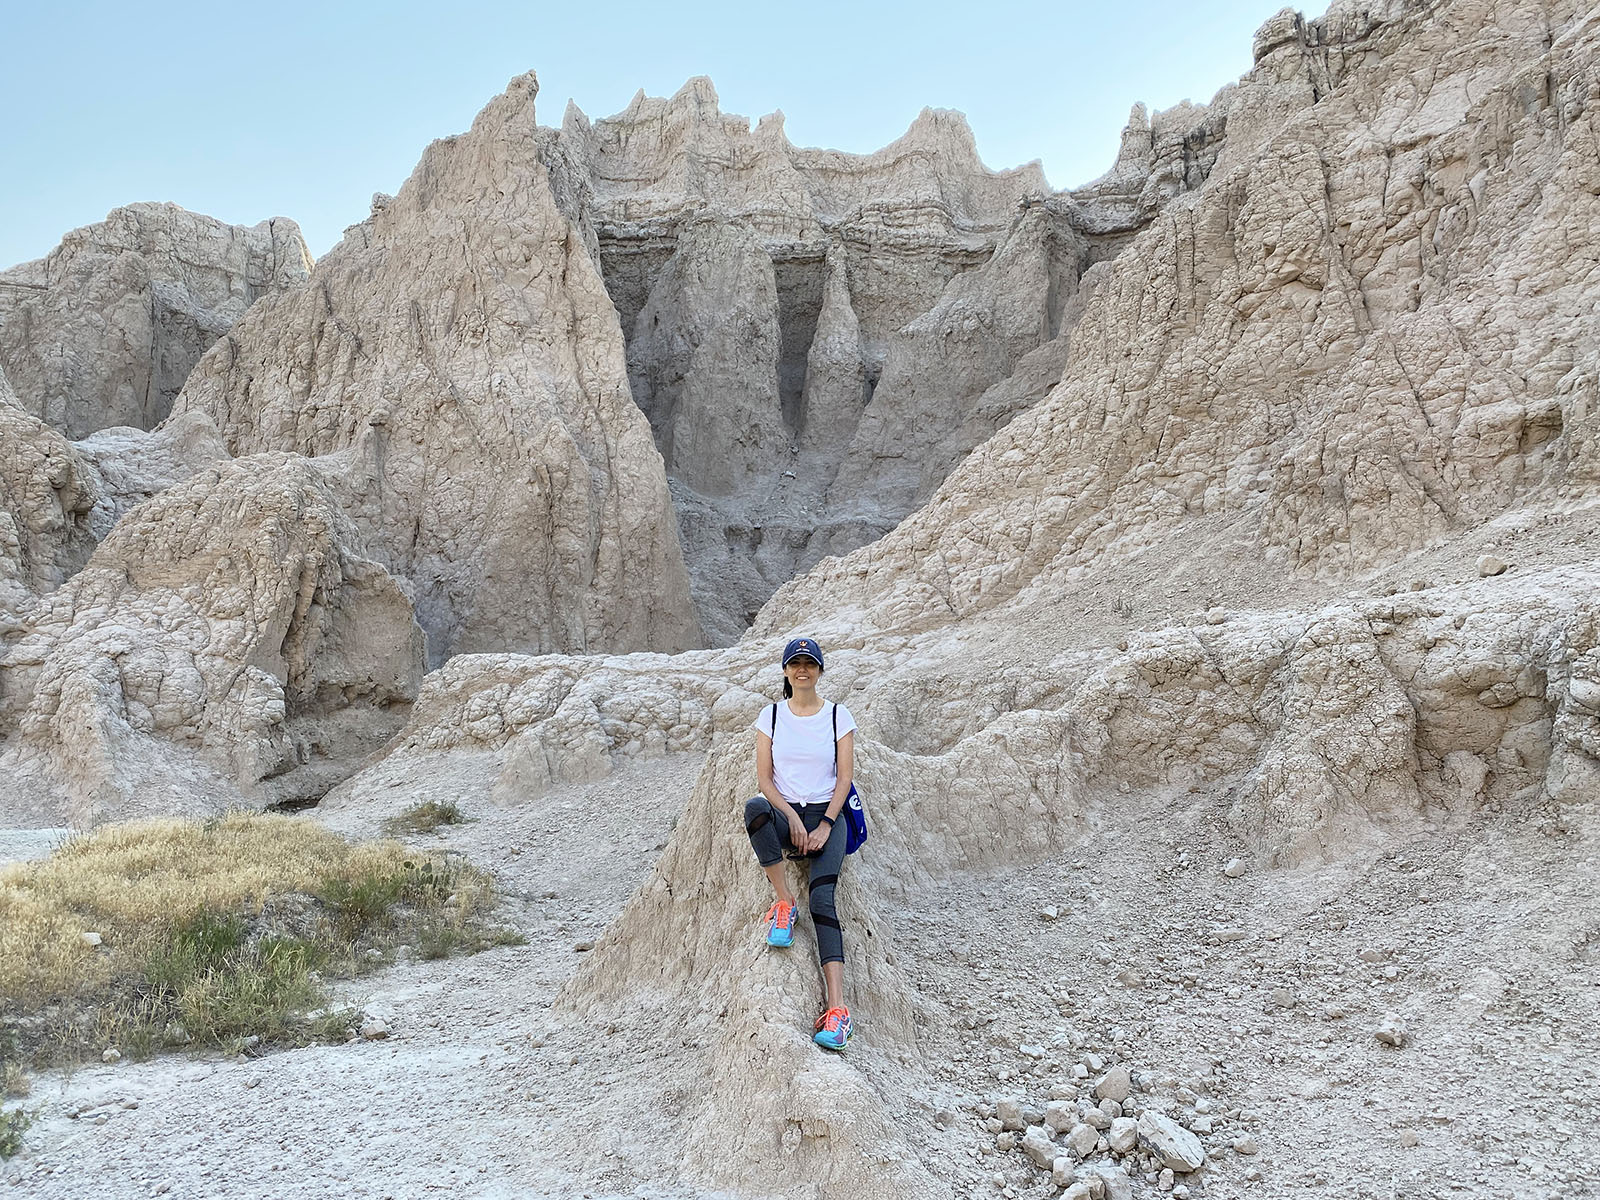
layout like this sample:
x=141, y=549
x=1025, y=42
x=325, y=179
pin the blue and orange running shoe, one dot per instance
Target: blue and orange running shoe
x=833, y=1029
x=780, y=924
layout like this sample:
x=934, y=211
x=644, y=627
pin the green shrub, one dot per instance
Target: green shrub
x=363, y=902
x=13, y=1124
x=425, y=818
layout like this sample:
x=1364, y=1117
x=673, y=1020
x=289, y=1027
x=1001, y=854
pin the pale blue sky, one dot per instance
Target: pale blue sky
x=304, y=110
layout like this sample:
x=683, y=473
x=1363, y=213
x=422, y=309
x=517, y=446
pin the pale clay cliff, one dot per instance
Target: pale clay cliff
x=1257, y=481
x=104, y=329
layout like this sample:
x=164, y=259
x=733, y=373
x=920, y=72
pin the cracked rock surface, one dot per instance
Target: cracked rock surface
x=1229, y=713
x=104, y=329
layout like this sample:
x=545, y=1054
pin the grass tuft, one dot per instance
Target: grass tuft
x=13, y=1124
x=214, y=932
x=424, y=818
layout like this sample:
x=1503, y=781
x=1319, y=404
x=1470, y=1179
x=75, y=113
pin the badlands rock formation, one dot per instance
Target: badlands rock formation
x=1289, y=544
x=818, y=337
x=228, y=631
x=1295, y=412
x=46, y=497
x=1373, y=334
x=104, y=329
x=460, y=344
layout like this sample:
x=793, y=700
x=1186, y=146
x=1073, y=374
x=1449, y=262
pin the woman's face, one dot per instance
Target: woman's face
x=802, y=672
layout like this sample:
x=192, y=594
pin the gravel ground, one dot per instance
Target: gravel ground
x=1248, y=1004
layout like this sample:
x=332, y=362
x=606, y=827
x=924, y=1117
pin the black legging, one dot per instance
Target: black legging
x=769, y=834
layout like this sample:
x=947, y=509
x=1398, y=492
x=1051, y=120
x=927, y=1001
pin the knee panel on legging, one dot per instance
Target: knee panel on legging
x=763, y=831
x=825, y=919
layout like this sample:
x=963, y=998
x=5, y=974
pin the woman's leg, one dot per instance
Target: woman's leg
x=768, y=836
x=824, y=916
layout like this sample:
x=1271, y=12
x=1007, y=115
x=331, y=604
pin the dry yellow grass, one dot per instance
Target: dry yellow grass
x=140, y=886
x=133, y=883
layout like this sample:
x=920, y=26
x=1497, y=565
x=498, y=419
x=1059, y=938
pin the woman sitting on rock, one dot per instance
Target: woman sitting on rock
x=804, y=759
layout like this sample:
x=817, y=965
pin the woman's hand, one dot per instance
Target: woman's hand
x=798, y=837
x=817, y=839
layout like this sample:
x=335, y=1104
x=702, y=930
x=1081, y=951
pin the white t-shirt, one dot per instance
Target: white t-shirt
x=803, y=751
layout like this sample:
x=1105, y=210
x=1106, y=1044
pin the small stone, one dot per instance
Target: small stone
x=1234, y=869
x=1489, y=564
x=1009, y=1110
x=1005, y=1142
x=1115, y=1084
x=374, y=1031
x=111, y=1055
x=1094, y=1117
x=1201, y=1125
x=993, y=1125
x=1037, y=1145
x=1079, y=1190
x=1170, y=1142
x=1391, y=1032
x=162, y=1188
x=1164, y=1181
x=584, y=946
x=1123, y=1135
x=1408, y=1138
x=1180, y=1191
x=1245, y=1145
x=1111, y=1108
x=90, y=940
x=1063, y=1091
x=1031, y=1051
x=945, y=1119
x=1109, y=1182
x=1049, y=913
x=1081, y=1141
x=1059, y=1116
x=1080, y=1071
x=253, y=1082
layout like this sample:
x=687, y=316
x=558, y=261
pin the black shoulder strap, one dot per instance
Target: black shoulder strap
x=774, y=722
x=836, y=737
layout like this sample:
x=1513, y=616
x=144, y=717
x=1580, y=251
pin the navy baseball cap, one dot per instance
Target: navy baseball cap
x=802, y=646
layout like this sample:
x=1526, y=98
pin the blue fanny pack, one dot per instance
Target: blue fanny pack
x=855, y=817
